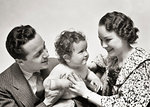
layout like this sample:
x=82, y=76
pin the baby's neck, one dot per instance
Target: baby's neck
x=81, y=71
x=78, y=69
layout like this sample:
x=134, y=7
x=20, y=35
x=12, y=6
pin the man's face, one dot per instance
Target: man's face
x=37, y=55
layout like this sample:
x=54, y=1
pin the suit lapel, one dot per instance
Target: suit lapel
x=22, y=88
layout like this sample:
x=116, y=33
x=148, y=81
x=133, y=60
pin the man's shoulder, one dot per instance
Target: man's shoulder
x=6, y=76
x=7, y=71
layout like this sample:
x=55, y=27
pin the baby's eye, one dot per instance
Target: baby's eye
x=81, y=51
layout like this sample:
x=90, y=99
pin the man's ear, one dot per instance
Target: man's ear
x=19, y=61
x=66, y=58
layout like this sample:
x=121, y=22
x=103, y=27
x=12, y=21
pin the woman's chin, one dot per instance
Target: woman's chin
x=111, y=55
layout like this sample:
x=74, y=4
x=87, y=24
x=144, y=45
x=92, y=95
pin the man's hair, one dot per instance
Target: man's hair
x=17, y=37
x=64, y=43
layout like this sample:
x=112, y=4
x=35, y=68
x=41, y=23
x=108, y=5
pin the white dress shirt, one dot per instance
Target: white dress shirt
x=31, y=80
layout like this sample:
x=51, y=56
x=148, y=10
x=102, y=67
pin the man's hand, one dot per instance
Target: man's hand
x=52, y=97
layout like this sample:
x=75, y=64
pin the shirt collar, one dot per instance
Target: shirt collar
x=27, y=75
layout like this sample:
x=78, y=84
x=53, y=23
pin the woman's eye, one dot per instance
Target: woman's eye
x=107, y=40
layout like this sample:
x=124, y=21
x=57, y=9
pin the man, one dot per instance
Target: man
x=18, y=83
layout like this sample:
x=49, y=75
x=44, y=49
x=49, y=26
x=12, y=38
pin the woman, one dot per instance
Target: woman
x=130, y=84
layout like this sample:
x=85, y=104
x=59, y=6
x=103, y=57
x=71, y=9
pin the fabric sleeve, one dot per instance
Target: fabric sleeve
x=100, y=60
x=135, y=92
x=6, y=100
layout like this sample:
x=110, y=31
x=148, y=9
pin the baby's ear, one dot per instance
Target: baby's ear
x=66, y=58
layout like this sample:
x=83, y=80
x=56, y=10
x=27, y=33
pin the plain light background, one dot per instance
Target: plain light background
x=50, y=17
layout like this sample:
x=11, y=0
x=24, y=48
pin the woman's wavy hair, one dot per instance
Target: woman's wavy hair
x=121, y=24
x=64, y=43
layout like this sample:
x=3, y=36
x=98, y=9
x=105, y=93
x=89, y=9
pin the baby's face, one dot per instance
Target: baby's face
x=79, y=54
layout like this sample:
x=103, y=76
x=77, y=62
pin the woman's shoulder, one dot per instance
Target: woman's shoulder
x=137, y=57
x=141, y=53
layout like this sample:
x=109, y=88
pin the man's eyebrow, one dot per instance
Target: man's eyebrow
x=40, y=50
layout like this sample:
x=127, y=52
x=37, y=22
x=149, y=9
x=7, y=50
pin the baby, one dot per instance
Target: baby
x=71, y=47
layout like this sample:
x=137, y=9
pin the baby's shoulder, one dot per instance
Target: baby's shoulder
x=61, y=69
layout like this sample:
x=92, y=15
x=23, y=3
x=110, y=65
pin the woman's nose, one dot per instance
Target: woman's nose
x=104, y=44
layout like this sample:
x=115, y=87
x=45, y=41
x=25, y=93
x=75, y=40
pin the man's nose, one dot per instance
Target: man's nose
x=86, y=53
x=45, y=54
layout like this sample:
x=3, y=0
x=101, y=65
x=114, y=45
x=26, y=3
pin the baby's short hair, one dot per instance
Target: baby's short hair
x=64, y=43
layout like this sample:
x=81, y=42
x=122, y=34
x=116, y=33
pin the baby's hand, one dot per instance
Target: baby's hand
x=65, y=82
x=96, y=84
x=92, y=66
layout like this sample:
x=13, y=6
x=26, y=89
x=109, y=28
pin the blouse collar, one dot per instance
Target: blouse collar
x=132, y=62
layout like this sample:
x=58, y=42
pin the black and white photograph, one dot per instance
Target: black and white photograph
x=74, y=53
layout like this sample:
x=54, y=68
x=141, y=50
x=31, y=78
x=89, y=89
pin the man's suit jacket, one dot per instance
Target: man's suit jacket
x=15, y=90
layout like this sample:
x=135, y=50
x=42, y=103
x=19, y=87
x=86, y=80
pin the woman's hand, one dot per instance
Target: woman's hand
x=78, y=85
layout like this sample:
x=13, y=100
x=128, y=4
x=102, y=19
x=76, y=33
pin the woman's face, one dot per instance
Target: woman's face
x=110, y=41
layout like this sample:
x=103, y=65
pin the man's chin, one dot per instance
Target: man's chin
x=44, y=67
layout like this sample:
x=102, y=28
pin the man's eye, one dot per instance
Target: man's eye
x=107, y=40
x=37, y=55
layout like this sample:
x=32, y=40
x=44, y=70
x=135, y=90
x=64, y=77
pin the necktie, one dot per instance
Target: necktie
x=39, y=85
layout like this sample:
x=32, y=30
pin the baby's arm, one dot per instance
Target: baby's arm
x=56, y=84
x=57, y=79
